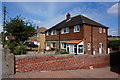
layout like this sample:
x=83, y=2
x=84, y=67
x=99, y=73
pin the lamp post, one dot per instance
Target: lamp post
x=3, y=35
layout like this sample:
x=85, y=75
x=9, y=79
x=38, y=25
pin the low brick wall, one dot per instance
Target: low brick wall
x=59, y=62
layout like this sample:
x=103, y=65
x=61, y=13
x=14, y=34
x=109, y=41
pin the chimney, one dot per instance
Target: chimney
x=68, y=16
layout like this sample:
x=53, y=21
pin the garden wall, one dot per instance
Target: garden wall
x=24, y=63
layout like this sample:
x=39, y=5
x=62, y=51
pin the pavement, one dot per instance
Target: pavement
x=0, y=61
x=83, y=73
x=3, y=64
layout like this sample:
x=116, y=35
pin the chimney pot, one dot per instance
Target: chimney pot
x=68, y=16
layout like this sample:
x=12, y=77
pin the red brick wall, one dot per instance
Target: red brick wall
x=68, y=36
x=59, y=62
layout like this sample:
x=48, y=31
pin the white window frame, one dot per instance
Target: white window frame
x=38, y=34
x=62, y=45
x=47, y=33
x=53, y=32
x=88, y=46
x=104, y=30
x=64, y=30
x=100, y=30
x=52, y=44
x=77, y=28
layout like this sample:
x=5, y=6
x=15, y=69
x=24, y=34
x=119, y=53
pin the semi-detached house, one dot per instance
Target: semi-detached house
x=78, y=35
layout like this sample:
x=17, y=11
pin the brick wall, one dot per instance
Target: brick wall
x=68, y=36
x=59, y=62
x=92, y=35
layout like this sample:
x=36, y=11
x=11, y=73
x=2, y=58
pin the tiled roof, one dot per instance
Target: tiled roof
x=80, y=19
x=42, y=30
x=74, y=42
x=10, y=37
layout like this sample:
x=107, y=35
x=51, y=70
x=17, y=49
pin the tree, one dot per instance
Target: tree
x=19, y=28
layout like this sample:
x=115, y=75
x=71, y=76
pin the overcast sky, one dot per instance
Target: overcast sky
x=47, y=14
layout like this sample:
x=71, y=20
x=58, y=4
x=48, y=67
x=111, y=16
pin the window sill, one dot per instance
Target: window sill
x=76, y=31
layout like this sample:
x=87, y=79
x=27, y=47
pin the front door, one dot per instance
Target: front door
x=75, y=48
x=100, y=48
x=67, y=48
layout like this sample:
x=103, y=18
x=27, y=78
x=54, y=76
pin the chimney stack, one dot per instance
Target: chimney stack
x=68, y=16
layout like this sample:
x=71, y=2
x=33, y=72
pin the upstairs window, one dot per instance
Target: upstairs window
x=38, y=34
x=53, y=32
x=100, y=30
x=64, y=30
x=77, y=28
x=47, y=33
x=89, y=46
x=104, y=30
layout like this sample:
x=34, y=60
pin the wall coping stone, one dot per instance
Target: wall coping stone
x=57, y=55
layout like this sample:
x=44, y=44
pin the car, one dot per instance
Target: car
x=31, y=44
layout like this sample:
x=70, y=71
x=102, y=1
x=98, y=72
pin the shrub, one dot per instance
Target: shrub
x=114, y=44
x=10, y=44
x=20, y=50
x=64, y=52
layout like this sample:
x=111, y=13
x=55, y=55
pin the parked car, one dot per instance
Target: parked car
x=31, y=44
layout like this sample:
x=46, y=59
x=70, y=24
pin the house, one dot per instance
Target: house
x=9, y=38
x=78, y=35
x=39, y=38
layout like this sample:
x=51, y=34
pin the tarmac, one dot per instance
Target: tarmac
x=83, y=73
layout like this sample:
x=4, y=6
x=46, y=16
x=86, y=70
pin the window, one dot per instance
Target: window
x=104, y=30
x=38, y=34
x=53, y=32
x=47, y=33
x=63, y=45
x=89, y=46
x=80, y=48
x=53, y=45
x=100, y=30
x=77, y=28
x=64, y=30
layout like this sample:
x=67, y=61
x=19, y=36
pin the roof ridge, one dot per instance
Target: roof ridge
x=82, y=18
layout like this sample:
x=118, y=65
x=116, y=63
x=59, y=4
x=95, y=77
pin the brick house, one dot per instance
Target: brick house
x=39, y=38
x=78, y=35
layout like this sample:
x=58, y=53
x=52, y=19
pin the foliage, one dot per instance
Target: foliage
x=20, y=50
x=64, y=52
x=20, y=29
x=114, y=44
x=10, y=44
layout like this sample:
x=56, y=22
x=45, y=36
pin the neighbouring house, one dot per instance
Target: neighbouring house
x=9, y=38
x=78, y=35
x=39, y=38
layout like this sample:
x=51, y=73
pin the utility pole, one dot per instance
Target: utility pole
x=4, y=24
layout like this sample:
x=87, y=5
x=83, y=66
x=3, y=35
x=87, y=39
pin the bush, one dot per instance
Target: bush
x=114, y=44
x=10, y=44
x=64, y=52
x=20, y=50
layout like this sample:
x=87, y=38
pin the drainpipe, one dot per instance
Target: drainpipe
x=91, y=39
x=59, y=40
x=58, y=48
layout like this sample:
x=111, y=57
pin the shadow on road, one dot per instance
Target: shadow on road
x=115, y=62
